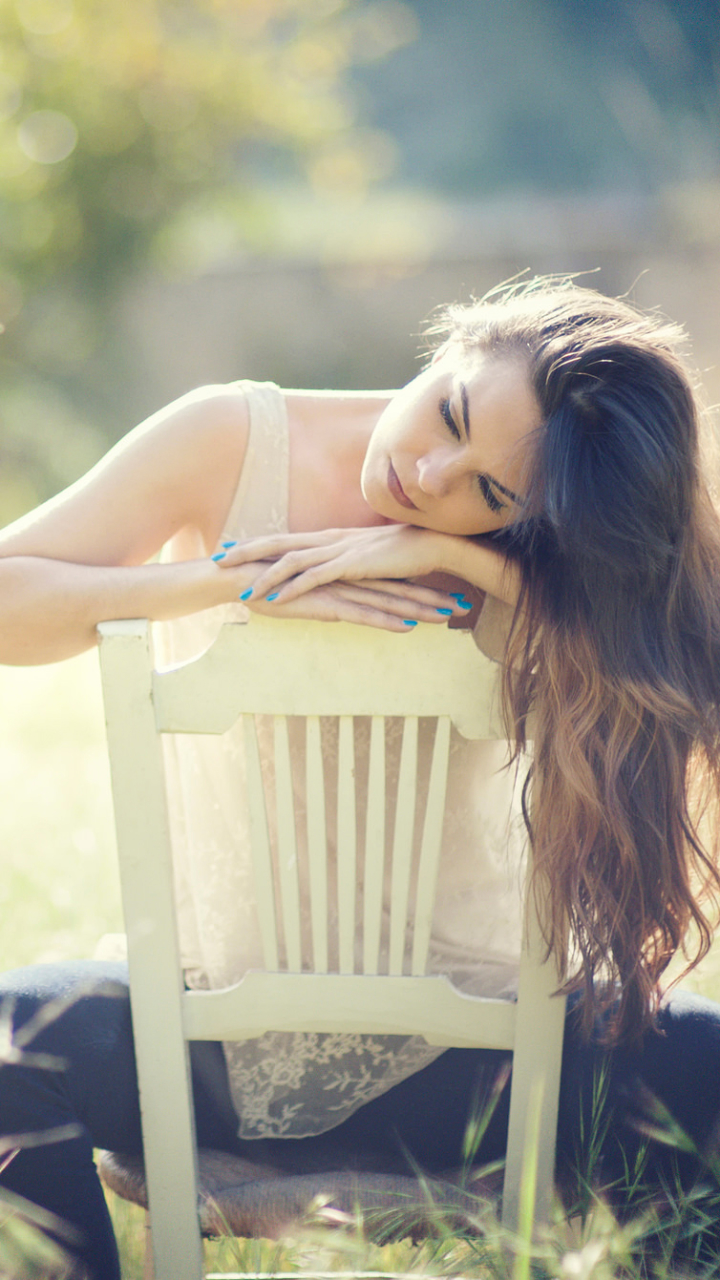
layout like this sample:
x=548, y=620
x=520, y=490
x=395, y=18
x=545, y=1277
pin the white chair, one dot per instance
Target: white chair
x=310, y=670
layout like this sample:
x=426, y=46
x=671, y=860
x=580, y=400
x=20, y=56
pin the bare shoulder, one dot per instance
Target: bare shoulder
x=178, y=468
x=200, y=441
x=214, y=415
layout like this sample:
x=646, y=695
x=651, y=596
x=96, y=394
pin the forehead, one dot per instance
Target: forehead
x=502, y=408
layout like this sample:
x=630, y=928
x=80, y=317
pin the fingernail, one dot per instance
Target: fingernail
x=246, y=594
x=410, y=622
x=456, y=595
x=274, y=596
x=220, y=556
x=227, y=545
x=446, y=612
x=465, y=604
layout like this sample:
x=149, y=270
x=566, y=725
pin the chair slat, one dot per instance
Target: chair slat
x=402, y=843
x=317, y=842
x=356, y=1003
x=374, y=847
x=346, y=845
x=287, y=846
x=430, y=847
x=260, y=846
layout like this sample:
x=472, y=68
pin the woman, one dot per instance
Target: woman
x=548, y=456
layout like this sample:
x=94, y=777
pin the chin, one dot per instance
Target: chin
x=379, y=500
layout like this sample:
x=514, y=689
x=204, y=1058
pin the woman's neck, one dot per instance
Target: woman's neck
x=329, y=434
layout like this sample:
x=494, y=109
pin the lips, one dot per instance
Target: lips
x=397, y=490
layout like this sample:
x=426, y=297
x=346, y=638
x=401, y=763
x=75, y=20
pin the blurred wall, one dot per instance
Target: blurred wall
x=357, y=324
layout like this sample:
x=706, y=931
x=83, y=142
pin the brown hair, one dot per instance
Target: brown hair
x=614, y=654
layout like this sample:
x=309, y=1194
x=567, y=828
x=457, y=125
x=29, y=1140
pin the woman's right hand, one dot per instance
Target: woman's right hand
x=394, y=606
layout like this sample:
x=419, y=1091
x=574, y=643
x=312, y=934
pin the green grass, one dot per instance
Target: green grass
x=59, y=889
x=311, y=1248
x=59, y=894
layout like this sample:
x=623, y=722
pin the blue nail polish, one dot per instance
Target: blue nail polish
x=274, y=596
x=246, y=594
x=456, y=595
x=410, y=622
x=227, y=545
x=465, y=604
x=447, y=613
x=220, y=556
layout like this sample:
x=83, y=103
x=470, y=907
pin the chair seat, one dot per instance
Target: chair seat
x=249, y=1200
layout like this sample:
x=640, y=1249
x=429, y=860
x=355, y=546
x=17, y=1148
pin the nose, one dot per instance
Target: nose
x=437, y=470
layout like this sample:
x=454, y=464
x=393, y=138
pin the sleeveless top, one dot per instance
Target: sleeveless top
x=295, y=1085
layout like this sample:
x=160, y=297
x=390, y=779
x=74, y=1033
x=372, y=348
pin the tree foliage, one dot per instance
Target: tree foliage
x=116, y=114
x=116, y=118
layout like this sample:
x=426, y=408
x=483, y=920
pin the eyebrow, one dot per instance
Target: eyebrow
x=514, y=497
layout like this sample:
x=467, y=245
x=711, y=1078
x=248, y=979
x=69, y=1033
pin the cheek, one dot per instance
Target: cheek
x=377, y=447
x=366, y=485
x=373, y=483
x=371, y=463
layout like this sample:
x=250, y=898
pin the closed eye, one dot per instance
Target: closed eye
x=489, y=495
x=495, y=504
x=448, y=419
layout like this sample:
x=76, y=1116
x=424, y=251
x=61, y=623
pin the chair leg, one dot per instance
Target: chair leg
x=148, y=1265
x=537, y=1061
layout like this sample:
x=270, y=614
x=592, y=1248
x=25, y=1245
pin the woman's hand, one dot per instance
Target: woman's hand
x=393, y=606
x=305, y=561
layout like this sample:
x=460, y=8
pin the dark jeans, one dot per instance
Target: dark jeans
x=424, y=1116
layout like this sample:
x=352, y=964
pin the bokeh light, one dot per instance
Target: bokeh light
x=44, y=17
x=47, y=137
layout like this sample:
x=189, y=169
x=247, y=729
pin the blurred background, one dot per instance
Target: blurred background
x=201, y=190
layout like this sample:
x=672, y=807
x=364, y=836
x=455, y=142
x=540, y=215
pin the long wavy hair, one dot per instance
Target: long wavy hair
x=613, y=662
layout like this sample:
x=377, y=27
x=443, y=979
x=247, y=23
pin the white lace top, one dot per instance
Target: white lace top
x=295, y=1085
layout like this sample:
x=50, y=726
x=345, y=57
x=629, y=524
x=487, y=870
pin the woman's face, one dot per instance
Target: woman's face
x=448, y=452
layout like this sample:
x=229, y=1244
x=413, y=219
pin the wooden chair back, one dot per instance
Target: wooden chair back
x=367, y=975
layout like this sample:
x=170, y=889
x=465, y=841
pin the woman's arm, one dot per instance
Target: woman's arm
x=50, y=608
x=79, y=559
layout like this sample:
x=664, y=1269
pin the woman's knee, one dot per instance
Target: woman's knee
x=74, y=1055
x=612, y=1101
x=680, y=1065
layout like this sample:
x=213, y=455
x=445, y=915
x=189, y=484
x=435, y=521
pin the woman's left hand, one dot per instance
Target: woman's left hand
x=304, y=561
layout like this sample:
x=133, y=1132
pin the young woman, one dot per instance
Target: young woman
x=547, y=462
